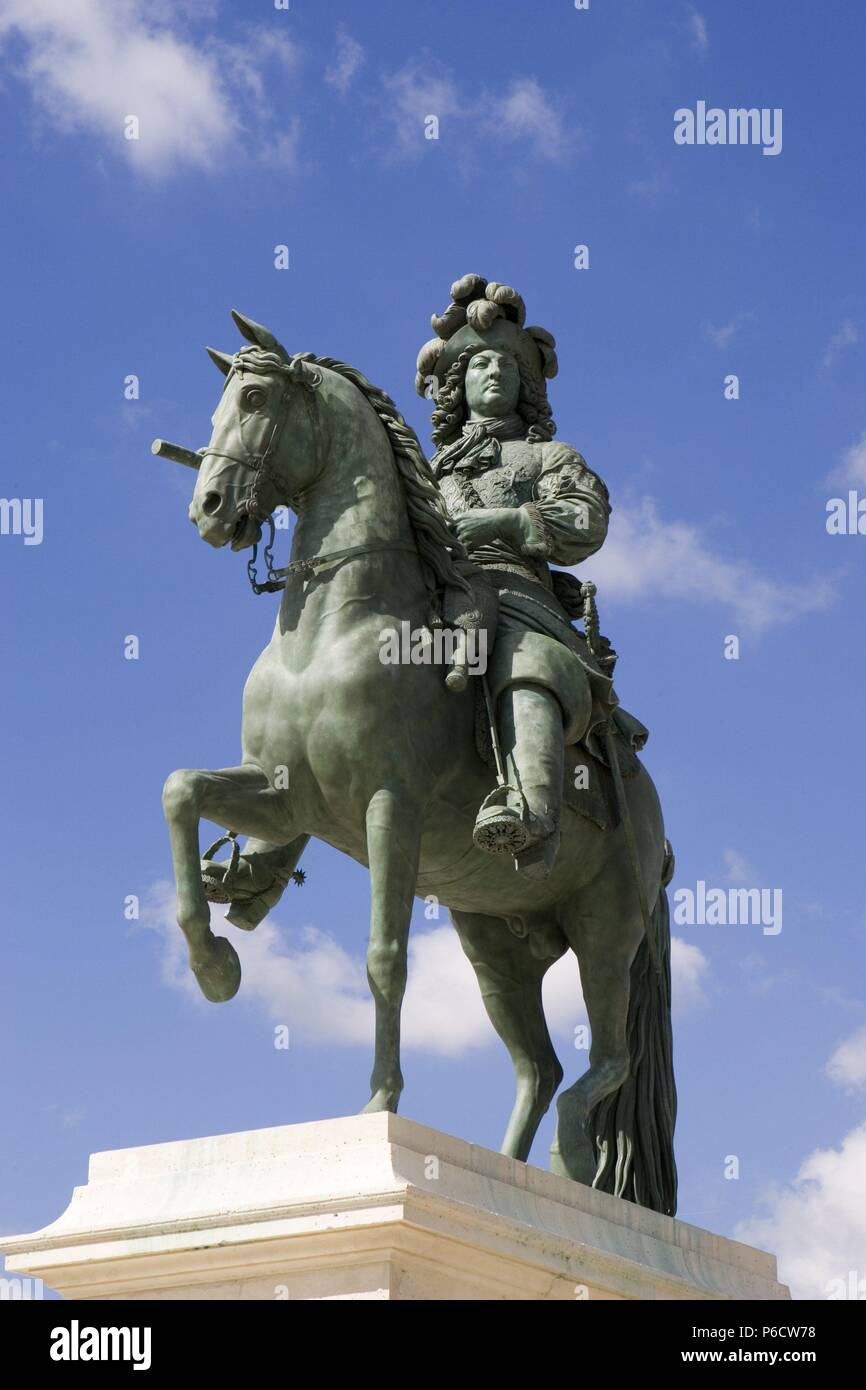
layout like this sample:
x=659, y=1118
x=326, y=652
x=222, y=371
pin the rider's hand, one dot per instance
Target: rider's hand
x=491, y=524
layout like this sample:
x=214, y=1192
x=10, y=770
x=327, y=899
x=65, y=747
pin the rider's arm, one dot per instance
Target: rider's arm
x=567, y=520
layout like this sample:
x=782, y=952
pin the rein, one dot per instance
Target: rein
x=275, y=579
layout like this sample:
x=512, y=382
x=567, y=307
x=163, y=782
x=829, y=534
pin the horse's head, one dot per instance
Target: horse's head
x=262, y=452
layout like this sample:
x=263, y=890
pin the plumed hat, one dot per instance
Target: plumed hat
x=484, y=314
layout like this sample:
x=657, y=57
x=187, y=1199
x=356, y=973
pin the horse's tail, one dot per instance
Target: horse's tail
x=634, y=1127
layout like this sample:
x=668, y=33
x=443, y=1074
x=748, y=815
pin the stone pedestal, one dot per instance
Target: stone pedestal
x=374, y=1206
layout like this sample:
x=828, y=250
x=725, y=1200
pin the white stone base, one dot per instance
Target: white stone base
x=374, y=1206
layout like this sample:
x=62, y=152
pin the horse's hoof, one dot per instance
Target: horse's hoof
x=572, y=1153
x=217, y=970
x=386, y=1098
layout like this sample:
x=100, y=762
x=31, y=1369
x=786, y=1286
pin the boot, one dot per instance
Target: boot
x=259, y=880
x=522, y=818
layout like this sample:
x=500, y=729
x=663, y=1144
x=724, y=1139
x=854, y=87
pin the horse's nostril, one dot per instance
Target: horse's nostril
x=211, y=504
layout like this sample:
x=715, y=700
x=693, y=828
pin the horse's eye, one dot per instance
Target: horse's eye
x=254, y=398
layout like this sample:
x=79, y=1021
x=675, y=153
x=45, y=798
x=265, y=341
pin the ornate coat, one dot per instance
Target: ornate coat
x=568, y=508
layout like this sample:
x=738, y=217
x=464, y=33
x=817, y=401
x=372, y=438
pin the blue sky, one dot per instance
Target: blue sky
x=306, y=128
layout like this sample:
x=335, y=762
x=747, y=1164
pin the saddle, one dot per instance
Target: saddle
x=593, y=794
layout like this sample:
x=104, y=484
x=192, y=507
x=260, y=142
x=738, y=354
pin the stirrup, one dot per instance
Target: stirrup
x=499, y=827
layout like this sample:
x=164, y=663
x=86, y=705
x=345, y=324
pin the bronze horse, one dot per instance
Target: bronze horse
x=380, y=761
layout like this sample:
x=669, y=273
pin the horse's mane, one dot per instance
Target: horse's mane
x=443, y=557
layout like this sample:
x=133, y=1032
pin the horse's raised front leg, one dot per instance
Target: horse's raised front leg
x=238, y=797
x=393, y=847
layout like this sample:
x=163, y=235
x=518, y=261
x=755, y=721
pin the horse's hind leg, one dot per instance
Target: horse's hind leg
x=605, y=946
x=241, y=798
x=510, y=979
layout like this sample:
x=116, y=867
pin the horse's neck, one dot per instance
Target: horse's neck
x=358, y=500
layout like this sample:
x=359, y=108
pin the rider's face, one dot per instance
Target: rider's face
x=492, y=384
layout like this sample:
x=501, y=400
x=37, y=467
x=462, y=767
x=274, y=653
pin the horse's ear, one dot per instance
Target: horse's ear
x=256, y=333
x=221, y=360
x=305, y=372
x=250, y=330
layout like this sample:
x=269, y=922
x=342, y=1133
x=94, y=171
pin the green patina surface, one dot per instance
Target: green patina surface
x=390, y=758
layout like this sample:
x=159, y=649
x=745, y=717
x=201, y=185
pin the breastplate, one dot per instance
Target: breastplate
x=507, y=484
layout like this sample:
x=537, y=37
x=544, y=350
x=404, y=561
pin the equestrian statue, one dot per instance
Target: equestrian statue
x=502, y=779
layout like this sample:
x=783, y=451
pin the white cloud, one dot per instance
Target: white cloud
x=754, y=217
x=721, y=337
x=527, y=113
x=243, y=64
x=350, y=58
x=847, y=1067
x=305, y=979
x=416, y=93
x=760, y=981
x=737, y=867
x=816, y=1225
x=846, y=335
x=442, y=1011
x=282, y=149
x=301, y=977
x=645, y=554
x=696, y=26
x=67, y=1116
x=91, y=63
x=649, y=188
x=853, y=466
x=689, y=968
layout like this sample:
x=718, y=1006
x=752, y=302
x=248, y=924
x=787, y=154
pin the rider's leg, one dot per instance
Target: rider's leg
x=263, y=873
x=533, y=743
x=526, y=822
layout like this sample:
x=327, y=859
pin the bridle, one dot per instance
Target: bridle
x=261, y=465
